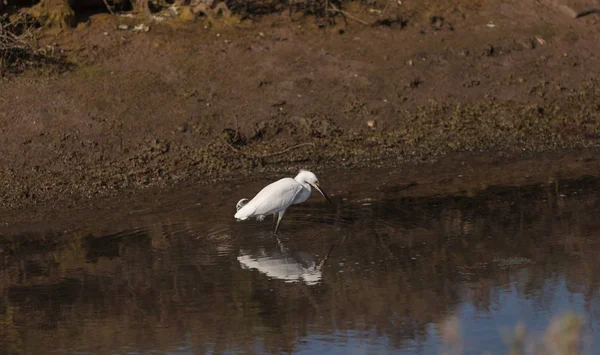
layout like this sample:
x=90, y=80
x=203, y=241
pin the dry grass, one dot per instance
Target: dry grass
x=19, y=49
x=15, y=50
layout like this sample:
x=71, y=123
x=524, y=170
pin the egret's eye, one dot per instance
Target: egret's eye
x=316, y=183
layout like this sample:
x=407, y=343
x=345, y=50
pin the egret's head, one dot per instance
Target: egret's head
x=305, y=176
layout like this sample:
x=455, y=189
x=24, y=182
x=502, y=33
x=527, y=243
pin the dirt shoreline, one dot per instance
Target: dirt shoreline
x=183, y=104
x=458, y=175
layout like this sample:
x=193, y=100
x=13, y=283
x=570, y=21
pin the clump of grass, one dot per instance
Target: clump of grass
x=18, y=48
x=15, y=50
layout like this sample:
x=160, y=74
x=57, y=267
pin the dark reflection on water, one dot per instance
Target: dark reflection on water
x=367, y=275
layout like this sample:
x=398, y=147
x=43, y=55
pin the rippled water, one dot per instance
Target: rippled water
x=378, y=271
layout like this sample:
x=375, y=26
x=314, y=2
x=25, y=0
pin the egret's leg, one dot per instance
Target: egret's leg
x=274, y=222
x=278, y=221
x=280, y=244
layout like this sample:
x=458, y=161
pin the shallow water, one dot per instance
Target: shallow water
x=381, y=270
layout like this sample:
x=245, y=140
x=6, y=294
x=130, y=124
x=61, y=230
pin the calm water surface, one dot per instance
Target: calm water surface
x=380, y=271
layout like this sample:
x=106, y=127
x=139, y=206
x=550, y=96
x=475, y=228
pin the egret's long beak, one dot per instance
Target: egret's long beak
x=322, y=192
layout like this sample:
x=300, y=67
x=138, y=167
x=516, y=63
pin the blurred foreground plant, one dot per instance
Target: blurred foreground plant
x=564, y=336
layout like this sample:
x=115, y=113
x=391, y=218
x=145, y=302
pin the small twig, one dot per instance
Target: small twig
x=385, y=9
x=334, y=8
x=346, y=14
x=108, y=7
x=251, y=156
x=587, y=12
x=237, y=128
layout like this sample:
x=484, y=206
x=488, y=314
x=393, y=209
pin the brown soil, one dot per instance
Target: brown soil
x=190, y=102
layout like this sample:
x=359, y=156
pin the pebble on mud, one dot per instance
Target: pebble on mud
x=528, y=43
x=157, y=18
x=488, y=50
x=540, y=40
x=141, y=28
x=415, y=83
x=372, y=123
x=437, y=22
x=568, y=10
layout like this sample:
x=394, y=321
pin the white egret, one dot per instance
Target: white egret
x=276, y=197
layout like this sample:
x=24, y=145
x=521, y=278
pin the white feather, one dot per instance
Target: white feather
x=286, y=189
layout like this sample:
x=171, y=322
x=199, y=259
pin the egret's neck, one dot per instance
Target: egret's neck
x=303, y=183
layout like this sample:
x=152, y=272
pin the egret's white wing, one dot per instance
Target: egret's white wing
x=279, y=196
x=272, y=198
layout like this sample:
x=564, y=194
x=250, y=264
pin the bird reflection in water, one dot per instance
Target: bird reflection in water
x=282, y=264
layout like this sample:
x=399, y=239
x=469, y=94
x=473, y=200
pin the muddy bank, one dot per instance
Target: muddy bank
x=461, y=175
x=186, y=103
